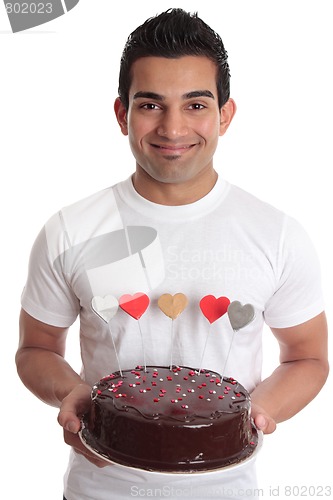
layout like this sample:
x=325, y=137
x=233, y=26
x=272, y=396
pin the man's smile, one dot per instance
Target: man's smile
x=173, y=148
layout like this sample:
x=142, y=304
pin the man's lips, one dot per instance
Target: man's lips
x=173, y=148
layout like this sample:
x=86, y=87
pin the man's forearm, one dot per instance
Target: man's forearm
x=46, y=374
x=290, y=387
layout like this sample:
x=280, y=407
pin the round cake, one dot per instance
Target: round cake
x=170, y=420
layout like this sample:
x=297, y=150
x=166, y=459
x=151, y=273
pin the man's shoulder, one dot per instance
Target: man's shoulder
x=250, y=205
x=88, y=217
x=91, y=202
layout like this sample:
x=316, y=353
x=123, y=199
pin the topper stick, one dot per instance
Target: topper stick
x=204, y=350
x=115, y=350
x=171, y=346
x=143, y=347
x=228, y=354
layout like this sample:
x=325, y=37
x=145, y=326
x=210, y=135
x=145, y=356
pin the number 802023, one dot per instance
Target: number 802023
x=29, y=8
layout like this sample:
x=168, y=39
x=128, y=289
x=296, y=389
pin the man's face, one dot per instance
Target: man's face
x=173, y=121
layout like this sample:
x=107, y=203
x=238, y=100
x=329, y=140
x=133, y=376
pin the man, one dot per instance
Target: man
x=175, y=226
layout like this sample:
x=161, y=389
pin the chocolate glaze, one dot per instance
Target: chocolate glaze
x=166, y=420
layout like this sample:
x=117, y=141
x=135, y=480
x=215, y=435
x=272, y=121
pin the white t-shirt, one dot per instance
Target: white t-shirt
x=115, y=242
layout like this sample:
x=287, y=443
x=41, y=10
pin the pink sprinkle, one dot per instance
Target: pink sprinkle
x=156, y=400
x=201, y=397
x=185, y=378
x=221, y=397
x=169, y=378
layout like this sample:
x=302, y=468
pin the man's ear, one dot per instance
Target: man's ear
x=121, y=115
x=228, y=111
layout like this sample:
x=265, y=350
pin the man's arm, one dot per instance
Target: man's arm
x=40, y=360
x=44, y=371
x=300, y=376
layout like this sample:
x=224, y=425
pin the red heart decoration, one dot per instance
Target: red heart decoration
x=134, y=305
x=213, y=308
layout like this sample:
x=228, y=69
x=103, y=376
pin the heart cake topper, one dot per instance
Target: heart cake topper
x=240, y=315
x=105, y=307
x=172, y=305
x=134, y=305
x=214, y=308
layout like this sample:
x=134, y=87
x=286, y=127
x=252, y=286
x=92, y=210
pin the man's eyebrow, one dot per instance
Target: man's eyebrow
x=198, y=93
x=148, y=95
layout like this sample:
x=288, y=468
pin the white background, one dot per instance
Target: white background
x=60, y=142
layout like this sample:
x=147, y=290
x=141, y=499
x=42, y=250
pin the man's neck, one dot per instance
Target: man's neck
x=173, y=194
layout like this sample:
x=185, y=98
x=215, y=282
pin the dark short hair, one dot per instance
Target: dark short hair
x=173, y=34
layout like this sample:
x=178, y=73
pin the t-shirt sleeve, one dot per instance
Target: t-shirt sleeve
x=298, y=295
x=47, y=295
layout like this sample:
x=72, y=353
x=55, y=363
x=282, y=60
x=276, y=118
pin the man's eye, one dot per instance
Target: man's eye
x=196, y=105
x=150, y=105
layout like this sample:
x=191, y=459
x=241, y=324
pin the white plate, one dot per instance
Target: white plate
x=235, y=466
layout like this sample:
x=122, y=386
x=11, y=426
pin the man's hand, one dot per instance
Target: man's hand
x=262, y=420
x=72, y=408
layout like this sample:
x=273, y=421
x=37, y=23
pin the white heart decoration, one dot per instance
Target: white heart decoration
x=105, y=307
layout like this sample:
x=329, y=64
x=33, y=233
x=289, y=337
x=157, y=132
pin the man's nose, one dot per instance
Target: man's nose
x=173, y=124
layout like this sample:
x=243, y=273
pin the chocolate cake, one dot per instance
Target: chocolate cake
x=170, y=420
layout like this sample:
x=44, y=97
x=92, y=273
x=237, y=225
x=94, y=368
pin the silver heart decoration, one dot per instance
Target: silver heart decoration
x=239, y=315
x=105, y=307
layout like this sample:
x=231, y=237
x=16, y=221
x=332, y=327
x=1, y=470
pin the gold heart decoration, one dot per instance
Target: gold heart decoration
x=172, y=305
